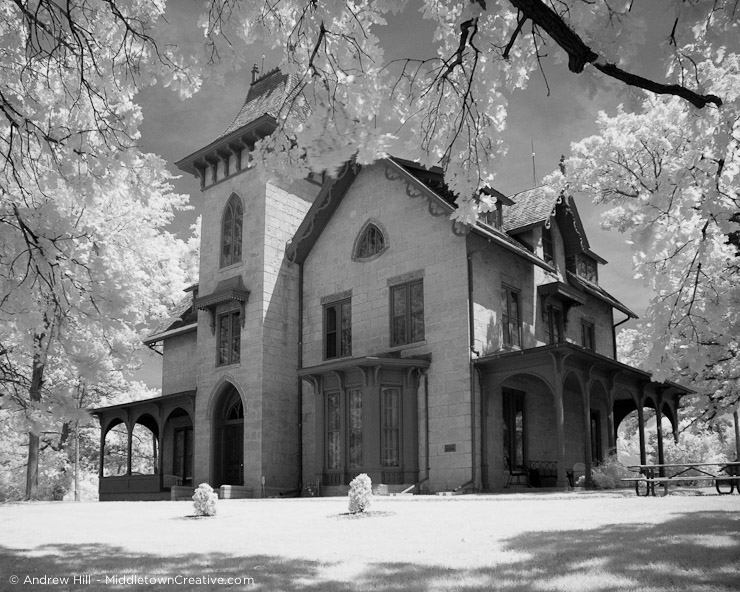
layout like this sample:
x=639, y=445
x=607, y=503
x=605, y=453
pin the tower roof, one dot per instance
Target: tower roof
x=268, y=99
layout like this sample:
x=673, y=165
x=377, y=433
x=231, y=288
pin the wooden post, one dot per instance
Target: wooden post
x=737, y=436
x=659, y=427
x=641, y=430
x=77, y=460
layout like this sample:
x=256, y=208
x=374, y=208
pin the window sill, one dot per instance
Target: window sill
x=229, y=365
x=403, y=346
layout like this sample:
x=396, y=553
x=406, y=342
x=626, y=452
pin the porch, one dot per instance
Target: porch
x=146, y=447
x=559, y=406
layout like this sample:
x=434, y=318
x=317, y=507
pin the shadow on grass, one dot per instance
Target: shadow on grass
x=697, y=551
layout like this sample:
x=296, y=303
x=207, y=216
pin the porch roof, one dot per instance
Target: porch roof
x=533, y=356
x=184, y=397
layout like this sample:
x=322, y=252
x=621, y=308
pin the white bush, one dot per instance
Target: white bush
x=204, y=500
x=360, y=493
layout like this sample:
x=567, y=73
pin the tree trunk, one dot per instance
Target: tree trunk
x=32, y=468
x=737, y=436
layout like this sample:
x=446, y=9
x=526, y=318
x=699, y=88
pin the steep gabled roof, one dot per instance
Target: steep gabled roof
x=419, y=182
x=530, y=208
x=182, y=318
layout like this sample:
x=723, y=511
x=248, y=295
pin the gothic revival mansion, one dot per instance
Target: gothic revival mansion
x=346, y=325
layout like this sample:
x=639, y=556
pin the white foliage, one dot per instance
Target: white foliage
x=360, y=494
x=204, y=500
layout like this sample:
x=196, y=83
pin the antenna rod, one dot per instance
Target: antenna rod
x=534, y=170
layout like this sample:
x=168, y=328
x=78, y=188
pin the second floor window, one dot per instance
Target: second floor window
x=552, y=318
x=407, y=313
x=511, y=317
x=588, y=335
x=231, y=232
x=338, y=329
x=229, y=338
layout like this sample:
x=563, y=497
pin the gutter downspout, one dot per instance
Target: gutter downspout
x=300, y=381
x=614, y=334
x=471, y=333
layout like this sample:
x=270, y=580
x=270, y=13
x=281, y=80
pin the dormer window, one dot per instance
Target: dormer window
x=584, y=267
x=370, y=243
x=231, y=231
x=493, y=218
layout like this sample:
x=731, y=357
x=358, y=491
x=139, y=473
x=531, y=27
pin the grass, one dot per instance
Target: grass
x=511, y=543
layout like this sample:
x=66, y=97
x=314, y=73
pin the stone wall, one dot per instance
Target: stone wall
x=420, y=245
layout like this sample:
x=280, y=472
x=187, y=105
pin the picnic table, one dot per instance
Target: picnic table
x=724, y=475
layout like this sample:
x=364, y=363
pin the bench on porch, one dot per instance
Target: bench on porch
x=543, y=473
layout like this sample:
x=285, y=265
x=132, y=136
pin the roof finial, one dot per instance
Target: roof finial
x=562, y=164
x=255, y=72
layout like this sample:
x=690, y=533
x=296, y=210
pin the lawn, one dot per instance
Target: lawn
x=561, y=542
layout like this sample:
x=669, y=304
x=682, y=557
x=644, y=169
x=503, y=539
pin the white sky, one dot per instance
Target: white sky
x=174, y=129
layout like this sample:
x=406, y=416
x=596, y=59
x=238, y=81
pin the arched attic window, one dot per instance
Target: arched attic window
x=231, y=231
x=370, y=243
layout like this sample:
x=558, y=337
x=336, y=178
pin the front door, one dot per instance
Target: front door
x=232, y=455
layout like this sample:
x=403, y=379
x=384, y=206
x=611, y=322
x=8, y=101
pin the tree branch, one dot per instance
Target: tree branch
x=580, y=54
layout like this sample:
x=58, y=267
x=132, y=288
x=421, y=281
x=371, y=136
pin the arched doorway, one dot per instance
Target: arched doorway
x=229, y=435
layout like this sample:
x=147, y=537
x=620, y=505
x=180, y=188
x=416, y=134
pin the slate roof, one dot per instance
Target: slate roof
x=182, y=315
x=531, y=208
x=266, y=96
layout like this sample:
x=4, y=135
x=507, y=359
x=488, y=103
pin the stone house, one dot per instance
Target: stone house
x=347, y=325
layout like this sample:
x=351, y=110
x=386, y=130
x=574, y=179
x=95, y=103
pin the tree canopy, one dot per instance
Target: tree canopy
x=665, y=165
x=85, y=258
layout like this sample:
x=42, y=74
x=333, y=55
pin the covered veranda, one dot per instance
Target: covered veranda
x=557, y=406
x=146, y=447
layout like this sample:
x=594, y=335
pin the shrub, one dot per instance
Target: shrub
x=204, y=500
x=360, y=493
x=608, y=474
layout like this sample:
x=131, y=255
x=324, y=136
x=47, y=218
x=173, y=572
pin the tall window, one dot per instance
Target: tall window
x=371, y=242
x=552, y=319
x=548, y=254
x=407, y=313
x=344, y=436
x=515, y=436
x=229, y=338
x=333, y=431
x=511, y=318
x=588, y=335
x=391, y=426
x=355, y=428
x=231, y=232
x=338, y=329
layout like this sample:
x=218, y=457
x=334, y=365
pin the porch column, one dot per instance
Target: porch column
x=675, y=420
x=641, y=430
x=612, y=435
x=320, y=451
x=130, y=431
x=558, y=363
x=371, y=438
x=102, y=447
x=659, y=421
x=587, y=421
